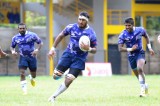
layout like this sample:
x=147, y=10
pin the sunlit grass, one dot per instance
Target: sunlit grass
x=85, y=91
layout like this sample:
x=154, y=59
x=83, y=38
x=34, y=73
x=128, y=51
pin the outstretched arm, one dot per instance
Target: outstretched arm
x=58, y=39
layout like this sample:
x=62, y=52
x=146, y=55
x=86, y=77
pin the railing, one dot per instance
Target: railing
x=73, y=9
x=116, y=17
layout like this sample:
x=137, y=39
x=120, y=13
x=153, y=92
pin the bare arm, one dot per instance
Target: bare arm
x=93, y=50
x=147, y=39
x=149, y=45
x=121, y=48
x=58, y=39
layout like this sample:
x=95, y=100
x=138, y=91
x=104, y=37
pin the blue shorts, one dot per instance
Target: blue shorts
x=28, y=61
x=133, y=59
x=69, y=60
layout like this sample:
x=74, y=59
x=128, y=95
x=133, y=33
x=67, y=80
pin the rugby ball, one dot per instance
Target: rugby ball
x=85, y=40
x=158, y=38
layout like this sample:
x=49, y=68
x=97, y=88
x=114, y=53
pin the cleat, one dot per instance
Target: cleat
x=142, y=93
x=51, y=99
x=146, y=89
x=33, y=83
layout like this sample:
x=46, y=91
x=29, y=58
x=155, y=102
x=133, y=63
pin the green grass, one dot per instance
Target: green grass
x=84, y=91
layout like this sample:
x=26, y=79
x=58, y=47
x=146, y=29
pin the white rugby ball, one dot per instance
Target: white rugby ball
x=85, y=40
x=158, y=38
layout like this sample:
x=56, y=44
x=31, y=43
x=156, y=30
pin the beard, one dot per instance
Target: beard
x=22, y=33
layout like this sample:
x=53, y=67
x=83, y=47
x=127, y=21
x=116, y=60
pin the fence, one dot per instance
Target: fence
x=9, y=66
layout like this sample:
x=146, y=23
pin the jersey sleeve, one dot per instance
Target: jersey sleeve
x=144, y=33
x=120, y=39
x=13, y=44
x=67, y=29
x=37, y=39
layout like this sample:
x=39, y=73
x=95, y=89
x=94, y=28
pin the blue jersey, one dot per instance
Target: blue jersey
x=133, y=38
x=75, y=33
x=25, y=43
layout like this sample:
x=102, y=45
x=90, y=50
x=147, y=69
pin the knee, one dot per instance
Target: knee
x=57, y=75
x=69, y=79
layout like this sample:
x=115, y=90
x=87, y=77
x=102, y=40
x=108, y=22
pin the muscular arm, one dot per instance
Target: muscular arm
x=121, y=48
x=58, y=39
x=39, y=46
x=93, y=50
x=147, y=39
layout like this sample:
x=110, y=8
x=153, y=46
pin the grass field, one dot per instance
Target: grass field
x=85, y=91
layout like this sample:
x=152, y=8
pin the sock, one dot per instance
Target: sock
x=60, y=90
x=141, y=81
x=30, y=77
x=24, y=85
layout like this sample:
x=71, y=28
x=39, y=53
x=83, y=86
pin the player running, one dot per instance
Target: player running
x=25, y=41
x=132, y=38
x=73, y=58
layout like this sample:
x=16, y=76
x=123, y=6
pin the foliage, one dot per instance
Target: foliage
x=34, y=19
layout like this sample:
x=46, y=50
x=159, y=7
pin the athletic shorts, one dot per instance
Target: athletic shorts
x=71, y=61
x=133, y=59
x=28, y=61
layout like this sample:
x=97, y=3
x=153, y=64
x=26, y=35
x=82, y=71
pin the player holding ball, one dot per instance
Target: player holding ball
x=75, y=54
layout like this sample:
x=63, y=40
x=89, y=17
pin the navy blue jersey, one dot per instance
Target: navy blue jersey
x=25, y=43
x=75, y=33
x=132, y=38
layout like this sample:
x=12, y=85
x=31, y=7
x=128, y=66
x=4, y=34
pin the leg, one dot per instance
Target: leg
x=32, y=76
x=140, y=65
x=135, y=71
x=33, y=69
x=144, y=86
x=73, y=73
x=22, y=67
x=23, y=79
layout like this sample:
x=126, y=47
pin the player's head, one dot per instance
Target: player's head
x=129, y=23
x=83, y=19
x=22, y=28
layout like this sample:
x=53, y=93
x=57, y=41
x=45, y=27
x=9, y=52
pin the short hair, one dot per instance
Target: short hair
x=129, y=20
x=21, y=24
x=85, y=14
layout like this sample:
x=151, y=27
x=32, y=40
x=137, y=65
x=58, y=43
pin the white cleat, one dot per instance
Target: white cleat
x=146, y=89
x=142, y=93
x=51, y=99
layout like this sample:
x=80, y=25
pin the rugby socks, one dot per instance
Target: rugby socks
x=30, y=77
x=60, y=90
x=24, y=85
x=141, y=81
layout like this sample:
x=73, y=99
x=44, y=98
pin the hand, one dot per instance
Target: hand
x=85, y=46
x=51, y=53
x=134, y=47
x=14, y=53
x=35, y=52
x=151, y=52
